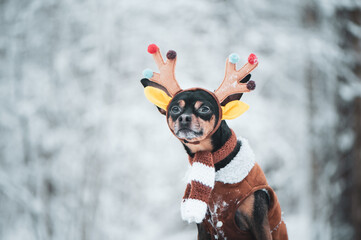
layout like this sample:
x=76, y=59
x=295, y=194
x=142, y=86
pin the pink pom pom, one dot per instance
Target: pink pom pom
x=252, y=59
x=152, y=48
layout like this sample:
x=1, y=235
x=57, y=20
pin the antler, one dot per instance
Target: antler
x=232, y=80
x=165, y=77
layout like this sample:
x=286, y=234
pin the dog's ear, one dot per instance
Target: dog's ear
x=234, y=109
x=162, y=111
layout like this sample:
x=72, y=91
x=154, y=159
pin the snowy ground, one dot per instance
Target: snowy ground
x=85, y=156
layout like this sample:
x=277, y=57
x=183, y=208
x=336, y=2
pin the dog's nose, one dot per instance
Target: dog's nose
x=185, y=119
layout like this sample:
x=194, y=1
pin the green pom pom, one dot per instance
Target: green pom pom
x=233, y=58
x=148, y=73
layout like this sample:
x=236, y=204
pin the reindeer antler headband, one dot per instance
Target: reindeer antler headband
x=161, y=87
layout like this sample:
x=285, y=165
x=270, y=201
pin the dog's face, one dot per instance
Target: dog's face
x=193, y=115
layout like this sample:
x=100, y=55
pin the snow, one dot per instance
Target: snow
x=84, y=155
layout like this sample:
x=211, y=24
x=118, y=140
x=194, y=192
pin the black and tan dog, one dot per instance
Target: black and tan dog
x=227, y=193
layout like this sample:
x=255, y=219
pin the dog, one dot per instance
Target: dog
x=227, y=194
x=193, y=116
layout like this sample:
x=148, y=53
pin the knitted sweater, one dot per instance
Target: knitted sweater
x=216, y=204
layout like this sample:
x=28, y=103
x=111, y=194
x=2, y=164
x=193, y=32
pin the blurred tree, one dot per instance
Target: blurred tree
x=347, y=208
x=335, y=123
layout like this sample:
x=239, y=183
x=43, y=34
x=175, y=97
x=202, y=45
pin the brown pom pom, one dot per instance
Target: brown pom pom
x=171, y=54
x=251, y=85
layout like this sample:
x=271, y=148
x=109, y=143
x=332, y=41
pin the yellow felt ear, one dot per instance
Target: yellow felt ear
x=233, y=110
x=157, y=97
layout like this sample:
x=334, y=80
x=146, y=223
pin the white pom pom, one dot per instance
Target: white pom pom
x=193, y=210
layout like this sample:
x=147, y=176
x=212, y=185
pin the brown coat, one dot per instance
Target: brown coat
x=225, y=200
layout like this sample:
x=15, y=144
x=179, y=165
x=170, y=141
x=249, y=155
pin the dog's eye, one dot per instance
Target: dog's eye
x=204, y=109
x=175, y=109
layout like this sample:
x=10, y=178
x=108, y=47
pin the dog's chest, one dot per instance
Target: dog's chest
x=222, y=206
x=225, y=200
x=230, y=187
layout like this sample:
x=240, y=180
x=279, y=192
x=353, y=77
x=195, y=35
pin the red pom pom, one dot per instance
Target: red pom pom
x=152, y=48
x=252, y=59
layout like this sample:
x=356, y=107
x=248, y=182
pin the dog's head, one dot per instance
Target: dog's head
x=193, y=115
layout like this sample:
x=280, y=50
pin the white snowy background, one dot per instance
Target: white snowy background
x=84, y=155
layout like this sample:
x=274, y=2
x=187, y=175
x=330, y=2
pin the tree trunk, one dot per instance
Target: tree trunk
x=347, y=210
